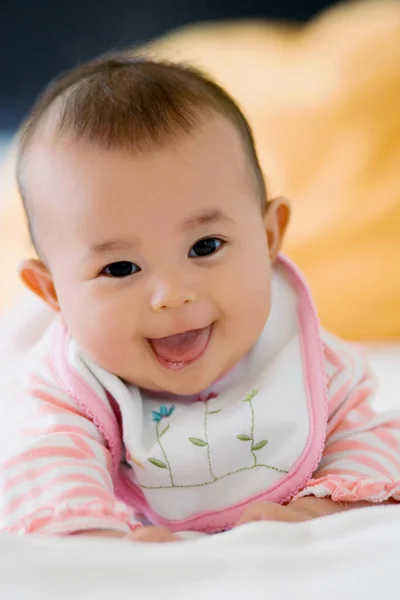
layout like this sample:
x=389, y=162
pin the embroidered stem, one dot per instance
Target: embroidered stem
x=194, y=485
x=252, y=431
x=165, y=456
x=206, y=439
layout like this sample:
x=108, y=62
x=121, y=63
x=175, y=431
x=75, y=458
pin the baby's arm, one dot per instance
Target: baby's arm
x=361, y=460
x=55, y=470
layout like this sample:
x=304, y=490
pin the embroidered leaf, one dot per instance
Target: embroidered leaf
x=197, y=442
x=157, y=463
x=259, y=445
x=164, y=431
x=251, y=395
x=214, y=412
x=243, y=438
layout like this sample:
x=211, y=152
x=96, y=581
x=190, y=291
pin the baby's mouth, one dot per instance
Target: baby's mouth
x=177, y=351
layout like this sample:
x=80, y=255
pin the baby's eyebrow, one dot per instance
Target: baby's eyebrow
x=114, y=245
x=212, y=216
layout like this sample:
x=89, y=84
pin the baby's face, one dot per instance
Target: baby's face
x=167, y=244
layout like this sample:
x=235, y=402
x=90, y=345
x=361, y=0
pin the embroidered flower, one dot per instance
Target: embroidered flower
x=201, y=398
x=162, y=413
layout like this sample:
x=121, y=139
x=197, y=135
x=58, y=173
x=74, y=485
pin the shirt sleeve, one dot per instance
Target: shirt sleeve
x=55, y=469
x=361, y=459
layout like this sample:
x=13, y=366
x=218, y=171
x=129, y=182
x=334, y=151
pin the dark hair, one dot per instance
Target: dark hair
x=134, y=102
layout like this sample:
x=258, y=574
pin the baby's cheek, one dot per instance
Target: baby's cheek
x=249, y=297
x=105, y=330
x=251, y=311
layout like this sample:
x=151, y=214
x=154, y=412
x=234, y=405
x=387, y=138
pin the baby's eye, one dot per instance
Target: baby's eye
x=122, y=268
x=205, y=247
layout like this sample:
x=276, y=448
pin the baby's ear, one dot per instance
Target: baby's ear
x=37, y=278
x=276, y=220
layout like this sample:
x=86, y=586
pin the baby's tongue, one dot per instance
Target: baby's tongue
x=183, y=346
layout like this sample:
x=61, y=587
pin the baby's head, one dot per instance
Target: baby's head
x=148, y=210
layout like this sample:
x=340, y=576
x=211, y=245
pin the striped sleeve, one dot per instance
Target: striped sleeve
x=55, y=469
x=361, y=459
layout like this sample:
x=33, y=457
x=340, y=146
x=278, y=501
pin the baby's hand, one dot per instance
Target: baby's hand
x=152, y=534
x=299, y=510
x=141, y=534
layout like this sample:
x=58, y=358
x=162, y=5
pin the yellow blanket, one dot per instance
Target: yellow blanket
x=323, y=100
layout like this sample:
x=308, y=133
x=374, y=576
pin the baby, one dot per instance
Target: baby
x=186, y=383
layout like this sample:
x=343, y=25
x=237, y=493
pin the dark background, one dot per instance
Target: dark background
x=40, y=38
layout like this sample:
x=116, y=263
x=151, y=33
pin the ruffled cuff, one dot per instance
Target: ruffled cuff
x=64, y=520
x=352, y=489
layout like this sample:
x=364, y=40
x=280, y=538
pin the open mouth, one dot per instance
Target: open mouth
x=176, y=352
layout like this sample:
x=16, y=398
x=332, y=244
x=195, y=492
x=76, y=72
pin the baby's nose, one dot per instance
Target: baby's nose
x=170, y=295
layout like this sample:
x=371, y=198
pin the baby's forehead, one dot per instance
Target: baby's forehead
x=64, y=175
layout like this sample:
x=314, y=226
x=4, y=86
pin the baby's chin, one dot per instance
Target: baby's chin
x=191, y=386
x=189, y=382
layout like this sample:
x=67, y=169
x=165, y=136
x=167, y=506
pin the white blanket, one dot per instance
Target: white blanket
x=349, y=555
